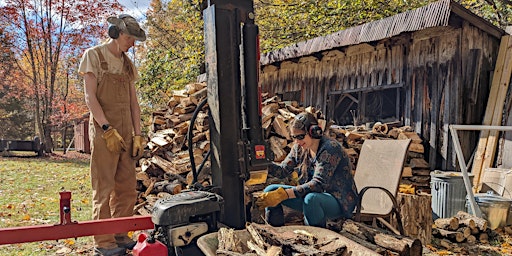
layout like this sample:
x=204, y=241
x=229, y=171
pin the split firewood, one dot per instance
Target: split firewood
x=274, y=251
x=229, y=242
x=256, y=236
x=447, y=223
x=479, y=222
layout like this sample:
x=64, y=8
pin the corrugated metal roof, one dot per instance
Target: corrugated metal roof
x=432, y=15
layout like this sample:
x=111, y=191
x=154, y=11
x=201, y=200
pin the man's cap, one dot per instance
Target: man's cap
x=129, y=25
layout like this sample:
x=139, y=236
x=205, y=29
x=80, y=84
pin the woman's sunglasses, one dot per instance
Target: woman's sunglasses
x=299, y=136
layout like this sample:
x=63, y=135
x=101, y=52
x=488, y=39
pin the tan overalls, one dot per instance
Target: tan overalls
x=112, y=175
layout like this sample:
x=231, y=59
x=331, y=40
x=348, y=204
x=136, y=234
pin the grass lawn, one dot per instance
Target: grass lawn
x=29, y=189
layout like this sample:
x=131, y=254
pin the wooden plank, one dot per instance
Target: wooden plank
x=489, y=113
x=504, y=81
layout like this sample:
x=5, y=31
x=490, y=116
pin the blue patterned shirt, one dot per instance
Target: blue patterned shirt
x=328, y=172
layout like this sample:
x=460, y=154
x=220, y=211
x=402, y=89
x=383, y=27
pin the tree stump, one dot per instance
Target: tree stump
x=416, y=213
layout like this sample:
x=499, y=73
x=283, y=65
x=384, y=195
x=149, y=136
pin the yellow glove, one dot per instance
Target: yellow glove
x=137, y=148
x=294, y=179
x=272, y=198
x=115, y=142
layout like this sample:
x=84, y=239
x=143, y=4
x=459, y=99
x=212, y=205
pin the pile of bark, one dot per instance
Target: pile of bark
x=267, y=240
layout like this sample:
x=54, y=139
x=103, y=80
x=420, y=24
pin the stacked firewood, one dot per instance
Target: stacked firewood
x=461, y=228
x=166, y=166
x=416, y=173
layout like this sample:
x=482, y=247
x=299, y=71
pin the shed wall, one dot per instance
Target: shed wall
x=443, y=73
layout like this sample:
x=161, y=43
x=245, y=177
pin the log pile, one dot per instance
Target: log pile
x=461, y=228
x=379, y=240
x=416, y=173
x=166, y=167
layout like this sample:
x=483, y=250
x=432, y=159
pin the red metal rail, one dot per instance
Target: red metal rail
x=72, y=229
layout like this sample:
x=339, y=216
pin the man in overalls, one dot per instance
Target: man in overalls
x=114, y=128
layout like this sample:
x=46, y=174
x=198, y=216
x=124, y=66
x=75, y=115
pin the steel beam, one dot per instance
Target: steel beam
x=462, y=162
x=36, y=233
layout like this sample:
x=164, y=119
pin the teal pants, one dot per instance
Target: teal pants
x=316, y=207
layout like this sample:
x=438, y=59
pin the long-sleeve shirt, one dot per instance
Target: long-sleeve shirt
x=328, y=172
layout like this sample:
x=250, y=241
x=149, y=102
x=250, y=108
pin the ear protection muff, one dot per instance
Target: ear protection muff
x=114, y=30
x=313, y=130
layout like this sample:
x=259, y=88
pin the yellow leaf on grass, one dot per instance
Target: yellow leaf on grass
x=26, y=217
x=85, y=201
x=69, y=241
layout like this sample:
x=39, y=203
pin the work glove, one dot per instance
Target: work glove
x=272, y=198
x=137, y=147
x=115, y=142
x=294, y=178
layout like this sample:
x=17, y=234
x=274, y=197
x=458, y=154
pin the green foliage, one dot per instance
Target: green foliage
x=175, y=51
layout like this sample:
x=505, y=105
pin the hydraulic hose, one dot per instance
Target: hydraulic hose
x=189, y=138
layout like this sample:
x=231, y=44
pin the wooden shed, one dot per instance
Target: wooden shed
x=427, y=68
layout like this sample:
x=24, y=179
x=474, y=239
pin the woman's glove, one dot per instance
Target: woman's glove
x=137, y=148
x=115, y=142
x=294, y=179
x=272, y=198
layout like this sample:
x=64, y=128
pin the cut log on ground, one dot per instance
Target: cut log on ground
x=401, y=245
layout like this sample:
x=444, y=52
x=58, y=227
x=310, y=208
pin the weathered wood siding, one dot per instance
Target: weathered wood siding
x=444, y=73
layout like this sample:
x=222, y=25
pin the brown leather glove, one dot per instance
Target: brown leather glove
x=272, y=198
x=115, y=142
x=137, y=147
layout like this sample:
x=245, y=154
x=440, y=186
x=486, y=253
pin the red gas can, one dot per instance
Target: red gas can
x=149, y=248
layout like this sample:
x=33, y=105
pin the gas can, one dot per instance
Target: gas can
x=149, y=247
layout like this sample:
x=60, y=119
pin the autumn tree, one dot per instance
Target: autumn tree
x=14, y=120
x=42, y=34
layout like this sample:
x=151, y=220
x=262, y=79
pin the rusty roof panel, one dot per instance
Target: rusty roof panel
x=432, y=15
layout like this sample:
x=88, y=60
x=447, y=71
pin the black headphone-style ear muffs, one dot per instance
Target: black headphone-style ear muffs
x=113, y=31
x=313, y=130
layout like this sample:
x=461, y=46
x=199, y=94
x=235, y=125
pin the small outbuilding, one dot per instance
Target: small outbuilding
x=426, y=68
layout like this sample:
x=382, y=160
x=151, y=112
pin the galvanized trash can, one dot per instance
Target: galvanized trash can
x=448, y=193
